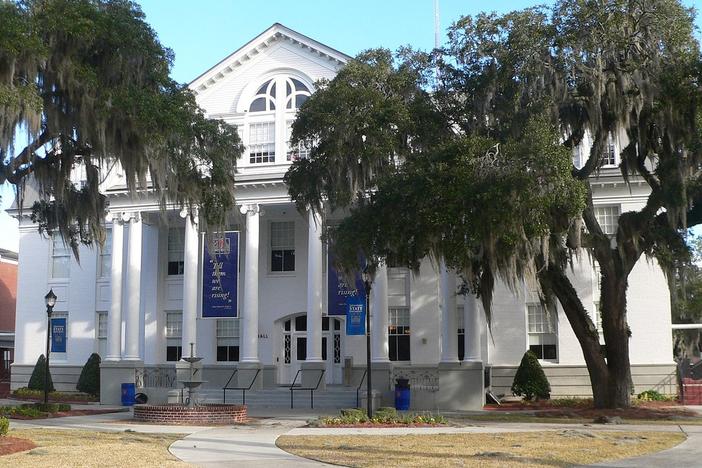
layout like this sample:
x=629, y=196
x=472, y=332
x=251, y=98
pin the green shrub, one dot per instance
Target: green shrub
x=89, y=380
x=530, y=380
x=36, y=381
x=25, y=392
x=49, y=407
x=4, y=426
x=652, y=395
x=381, y=416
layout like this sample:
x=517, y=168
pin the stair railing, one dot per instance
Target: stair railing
x=242, y=388
x=293, y=388
x=358, y=389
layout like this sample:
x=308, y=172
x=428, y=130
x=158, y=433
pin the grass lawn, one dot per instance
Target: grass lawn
x=516, y=449
x=68, y=447
x=574, y=419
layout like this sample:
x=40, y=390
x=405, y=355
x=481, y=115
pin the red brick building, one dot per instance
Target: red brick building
x=8, y=299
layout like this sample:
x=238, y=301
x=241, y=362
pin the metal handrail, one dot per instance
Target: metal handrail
x=311, y=389
x=243, y=389
x=358, y=389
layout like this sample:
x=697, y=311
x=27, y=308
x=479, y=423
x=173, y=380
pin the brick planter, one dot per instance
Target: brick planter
x=202, y=414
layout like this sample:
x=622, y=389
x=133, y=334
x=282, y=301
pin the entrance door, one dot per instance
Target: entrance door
x=294, y=350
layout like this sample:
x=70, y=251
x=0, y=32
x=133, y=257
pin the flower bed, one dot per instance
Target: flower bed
x=383, y=417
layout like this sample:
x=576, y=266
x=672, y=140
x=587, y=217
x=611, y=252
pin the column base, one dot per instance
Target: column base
x=247, y=371
x=112, y=375
x=310, y=374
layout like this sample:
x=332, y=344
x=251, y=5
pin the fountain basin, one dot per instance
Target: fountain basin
x=178, y=414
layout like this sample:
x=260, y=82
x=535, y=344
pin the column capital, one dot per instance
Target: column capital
x=250, y=209
x=193, y=214
x=115, y=217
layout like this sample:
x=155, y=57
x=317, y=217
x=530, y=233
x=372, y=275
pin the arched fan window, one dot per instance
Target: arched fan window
x=296, y=93
x=265, y=98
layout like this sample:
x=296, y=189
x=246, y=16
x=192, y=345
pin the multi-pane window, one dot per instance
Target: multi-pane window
x=460, y=324
x=543, y=337
x=105, y=260
x=283, y=246
x=101, y=332
x=60, y=258
x=296, y=93
x=608, y=218
x=174, y=335
x=261, y=142
x=609, y=155
x=264, y=101
x=228, y=340
x=176, y=251
x=298, y=151
x=399, y=333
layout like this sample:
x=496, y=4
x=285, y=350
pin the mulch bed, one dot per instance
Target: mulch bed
x=669, y=410
x=9, y=445
x=63, y=414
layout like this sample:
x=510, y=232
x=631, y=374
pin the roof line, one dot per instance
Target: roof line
x=315, y=42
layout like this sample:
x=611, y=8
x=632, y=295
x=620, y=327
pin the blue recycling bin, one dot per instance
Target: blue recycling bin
x=128, y=392
x=402, y=394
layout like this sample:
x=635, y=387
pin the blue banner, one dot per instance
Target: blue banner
x=340, y=293
x=220, y=276
x=58, y=335
x=356, y=318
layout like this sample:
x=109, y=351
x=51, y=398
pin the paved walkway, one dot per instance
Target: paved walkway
x=254, y=444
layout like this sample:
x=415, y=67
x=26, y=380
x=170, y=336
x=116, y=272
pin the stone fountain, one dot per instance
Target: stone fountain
x=192, y=382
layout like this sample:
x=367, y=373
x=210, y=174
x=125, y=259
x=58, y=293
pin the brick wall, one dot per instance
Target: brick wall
x=203, y=414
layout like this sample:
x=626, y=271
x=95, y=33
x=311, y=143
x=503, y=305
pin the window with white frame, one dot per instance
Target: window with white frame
x=261, y=142
x=227, y=340
x=105, y=260
x=399, y=333
x=60, y=258
x=295, y=152
x=296, y=93
x=282, y=246
x=101, y=333
x=264, y=100
x=174, y=335
x=460, y=324
x=608, y=218
x=543, y=336
x=609, y=154
x=176, y=251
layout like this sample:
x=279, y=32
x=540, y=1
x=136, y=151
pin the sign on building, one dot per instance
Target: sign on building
x=58, y=335
x=356, y=318
x=339, y=292
x=220, y=276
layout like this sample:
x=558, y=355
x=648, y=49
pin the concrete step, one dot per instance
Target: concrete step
x=280, y=397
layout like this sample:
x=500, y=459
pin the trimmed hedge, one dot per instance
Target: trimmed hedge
x=530, y=380
x=89, y=380
x=4, y=426
x=36, y=381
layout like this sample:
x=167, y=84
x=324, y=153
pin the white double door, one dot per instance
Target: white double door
x=294, y=349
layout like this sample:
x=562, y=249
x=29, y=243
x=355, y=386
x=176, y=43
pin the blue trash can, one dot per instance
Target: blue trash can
x=128, y=392
x=402, y=394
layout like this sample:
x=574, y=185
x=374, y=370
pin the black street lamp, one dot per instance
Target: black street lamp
x=367, y=283
x=50, y=300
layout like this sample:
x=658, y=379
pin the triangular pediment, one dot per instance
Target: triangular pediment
x=272, y=36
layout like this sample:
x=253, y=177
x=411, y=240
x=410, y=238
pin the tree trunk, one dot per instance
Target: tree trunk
x=616, y=334
x=555, y=280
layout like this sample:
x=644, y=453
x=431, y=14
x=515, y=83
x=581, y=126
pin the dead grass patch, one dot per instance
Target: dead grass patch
x=77, y=448
x=515, y=449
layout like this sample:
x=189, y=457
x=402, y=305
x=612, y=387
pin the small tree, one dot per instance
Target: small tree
x=530, y=380
x=89, y=380
x=36, y=381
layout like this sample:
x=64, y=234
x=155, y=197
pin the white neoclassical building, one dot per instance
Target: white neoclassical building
x=139, y=301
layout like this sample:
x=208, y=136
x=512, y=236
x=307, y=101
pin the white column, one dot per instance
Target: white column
x=114, y=323
x=249, y=313
x=314, y=287
x=379, y=316
x=131, y=342
x=471, y=316
x=190, y=283
x=447, y=303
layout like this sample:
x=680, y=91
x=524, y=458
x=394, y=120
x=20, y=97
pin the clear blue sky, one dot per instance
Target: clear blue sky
x=203, y=32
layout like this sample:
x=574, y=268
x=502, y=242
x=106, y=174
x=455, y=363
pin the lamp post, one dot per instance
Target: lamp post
x=367, y=283
x=50, y=300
